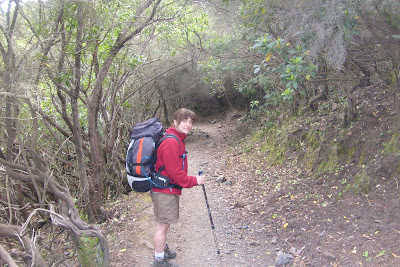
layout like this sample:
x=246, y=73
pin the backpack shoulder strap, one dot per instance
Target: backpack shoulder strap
x=168, y=136
x=157, y=174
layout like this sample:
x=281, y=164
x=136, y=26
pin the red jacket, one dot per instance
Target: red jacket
x=169, y=154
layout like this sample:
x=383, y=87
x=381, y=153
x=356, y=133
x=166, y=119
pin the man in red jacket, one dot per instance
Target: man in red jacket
x=171, y=155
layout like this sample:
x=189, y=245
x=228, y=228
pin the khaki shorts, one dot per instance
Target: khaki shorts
x=166, y=207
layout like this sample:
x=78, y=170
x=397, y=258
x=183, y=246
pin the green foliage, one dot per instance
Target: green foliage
x=254, y=104
x=254, y=112
x=288, y=95
x=289, y=63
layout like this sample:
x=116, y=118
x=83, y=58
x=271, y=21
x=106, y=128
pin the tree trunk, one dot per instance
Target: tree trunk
x=76, y=129
x=97, y=179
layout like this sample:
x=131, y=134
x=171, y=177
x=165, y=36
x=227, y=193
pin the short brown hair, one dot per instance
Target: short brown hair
x=184, y=113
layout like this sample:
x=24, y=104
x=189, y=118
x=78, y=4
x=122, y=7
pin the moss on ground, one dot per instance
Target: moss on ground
x=90, y=253
x=323, y=152
x=393, y=147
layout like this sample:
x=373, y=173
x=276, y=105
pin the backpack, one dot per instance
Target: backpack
x=141, y=156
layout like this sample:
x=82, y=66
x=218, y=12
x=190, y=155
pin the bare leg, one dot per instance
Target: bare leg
x=160, y=236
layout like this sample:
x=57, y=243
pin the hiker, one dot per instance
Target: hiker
x=171, y=158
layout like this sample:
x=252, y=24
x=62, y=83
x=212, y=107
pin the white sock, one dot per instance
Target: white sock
x=159, y=256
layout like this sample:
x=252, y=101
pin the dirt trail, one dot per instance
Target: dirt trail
x=239, y=244
x=193, y=233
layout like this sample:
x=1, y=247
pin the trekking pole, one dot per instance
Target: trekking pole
x=211, y=220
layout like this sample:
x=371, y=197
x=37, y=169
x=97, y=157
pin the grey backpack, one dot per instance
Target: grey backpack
x=141, y=156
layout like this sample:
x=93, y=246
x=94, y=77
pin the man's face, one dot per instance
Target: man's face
x=185, y=126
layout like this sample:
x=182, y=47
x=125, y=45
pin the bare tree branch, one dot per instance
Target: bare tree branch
x=4, y=255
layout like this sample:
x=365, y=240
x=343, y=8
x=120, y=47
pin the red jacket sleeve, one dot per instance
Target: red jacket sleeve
x=170, y=154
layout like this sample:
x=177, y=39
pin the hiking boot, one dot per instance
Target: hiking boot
x=163, y=263
x=168, y=253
